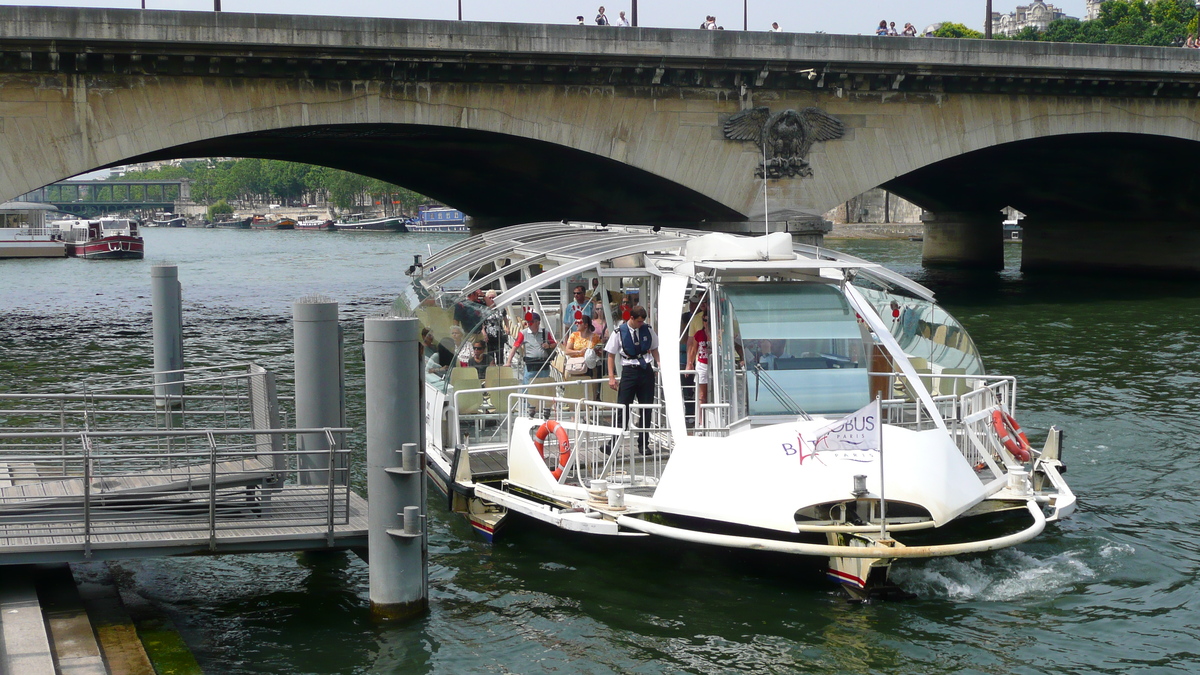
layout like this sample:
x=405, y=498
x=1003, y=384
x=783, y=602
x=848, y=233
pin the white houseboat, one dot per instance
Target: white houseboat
x=25, y=234
x=847, y=416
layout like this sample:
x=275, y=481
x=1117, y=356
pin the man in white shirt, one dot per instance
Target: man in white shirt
x=637, y=346
x=621, y=20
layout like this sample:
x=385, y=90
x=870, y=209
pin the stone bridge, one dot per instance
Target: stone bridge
x=1095, y=143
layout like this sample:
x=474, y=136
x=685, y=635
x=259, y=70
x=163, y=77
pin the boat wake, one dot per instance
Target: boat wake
x=1007, y=575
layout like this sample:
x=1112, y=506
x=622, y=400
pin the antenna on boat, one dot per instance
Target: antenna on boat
x=766, y=211
x=882, y=498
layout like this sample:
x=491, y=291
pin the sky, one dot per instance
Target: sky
x=851, y=17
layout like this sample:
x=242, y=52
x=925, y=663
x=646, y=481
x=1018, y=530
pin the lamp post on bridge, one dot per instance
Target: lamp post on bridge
x=987, y=22
x=633, y=13
x=460, y=9
x=745, y=14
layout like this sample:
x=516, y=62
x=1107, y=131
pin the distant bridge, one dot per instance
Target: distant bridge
x=89, y=198
x=523, y=122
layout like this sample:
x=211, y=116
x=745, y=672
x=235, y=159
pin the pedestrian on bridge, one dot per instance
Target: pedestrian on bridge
x=775, y=27
x=622, y=22
x=601, y=19
x=882, y=30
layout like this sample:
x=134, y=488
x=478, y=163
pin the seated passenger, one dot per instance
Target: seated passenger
x=480, y=359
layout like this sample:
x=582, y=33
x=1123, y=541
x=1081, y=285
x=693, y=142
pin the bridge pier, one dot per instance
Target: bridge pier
x=963, y=239
x=1135, y=245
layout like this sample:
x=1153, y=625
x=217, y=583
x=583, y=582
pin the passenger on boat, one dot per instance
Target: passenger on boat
x=445, y=358
x=698, y=347
x=637, y=345
x=580, y=303
x=538, y=344
x=469, y=312
x=428, y=344
x=480, y=359
x=583, y=340
x=493, y=327
x=599, y=324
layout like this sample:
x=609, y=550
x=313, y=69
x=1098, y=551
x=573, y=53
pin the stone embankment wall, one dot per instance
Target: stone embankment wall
x=875, y=214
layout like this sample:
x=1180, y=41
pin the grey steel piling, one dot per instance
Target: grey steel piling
x=397, y=536
x=320, y=386
x=166, y=309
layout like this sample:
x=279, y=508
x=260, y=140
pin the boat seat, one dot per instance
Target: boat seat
x=575, y=391
x=467, y=378
x=500, y=398
x=495, y=374
x=954, y=386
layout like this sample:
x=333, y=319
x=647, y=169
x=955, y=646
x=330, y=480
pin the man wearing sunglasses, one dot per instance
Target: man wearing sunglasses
x=579, y=303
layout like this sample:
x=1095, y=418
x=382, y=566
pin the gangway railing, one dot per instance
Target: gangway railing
x=151, y=487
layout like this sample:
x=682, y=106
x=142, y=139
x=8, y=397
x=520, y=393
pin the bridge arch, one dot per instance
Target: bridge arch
x=498, y=178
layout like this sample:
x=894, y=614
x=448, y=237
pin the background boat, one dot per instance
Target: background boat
x=24, y=233
x=104, y=239
x=357, y=223
x=438, y=219
x=312, y=222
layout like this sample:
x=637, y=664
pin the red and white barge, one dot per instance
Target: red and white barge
x=103, y=239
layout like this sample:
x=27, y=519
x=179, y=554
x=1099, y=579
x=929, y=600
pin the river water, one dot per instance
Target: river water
x=1114, y=362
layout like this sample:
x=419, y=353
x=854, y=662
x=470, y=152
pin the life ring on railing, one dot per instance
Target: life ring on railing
x=1010, y=435
x=564, y=444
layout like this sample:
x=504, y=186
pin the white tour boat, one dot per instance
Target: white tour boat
x=848, y=417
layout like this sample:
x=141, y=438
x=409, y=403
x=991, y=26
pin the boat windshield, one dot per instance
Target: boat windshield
x=928, y=334
x=802, y=346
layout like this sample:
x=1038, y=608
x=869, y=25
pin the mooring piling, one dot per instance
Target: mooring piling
x=320, y=387
x=397, y=533
x=166, y=309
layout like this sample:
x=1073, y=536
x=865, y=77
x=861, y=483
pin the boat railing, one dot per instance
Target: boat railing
x=605, y=440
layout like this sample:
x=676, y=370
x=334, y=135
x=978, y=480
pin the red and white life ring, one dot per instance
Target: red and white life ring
x=1011, y=436
x=564, y=444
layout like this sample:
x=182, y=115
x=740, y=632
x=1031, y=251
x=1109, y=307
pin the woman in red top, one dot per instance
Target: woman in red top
x=697, y=359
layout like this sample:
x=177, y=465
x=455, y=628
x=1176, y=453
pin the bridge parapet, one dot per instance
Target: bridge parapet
x=203, y=44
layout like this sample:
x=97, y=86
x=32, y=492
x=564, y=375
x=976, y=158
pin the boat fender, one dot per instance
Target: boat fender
x=1010, y=435
x=564, y=444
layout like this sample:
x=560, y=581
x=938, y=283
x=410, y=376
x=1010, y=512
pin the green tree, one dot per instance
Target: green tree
x=956, y=30
x=221, y=208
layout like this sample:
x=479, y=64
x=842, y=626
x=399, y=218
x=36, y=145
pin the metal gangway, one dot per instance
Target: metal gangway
x=124, y=467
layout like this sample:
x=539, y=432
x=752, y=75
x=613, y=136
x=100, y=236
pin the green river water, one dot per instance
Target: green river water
x=1114, y=362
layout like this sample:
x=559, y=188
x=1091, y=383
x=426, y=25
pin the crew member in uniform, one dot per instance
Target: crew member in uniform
x=636, y=344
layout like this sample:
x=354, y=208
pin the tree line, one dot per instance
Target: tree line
x=1153, y=23
x=264, y=181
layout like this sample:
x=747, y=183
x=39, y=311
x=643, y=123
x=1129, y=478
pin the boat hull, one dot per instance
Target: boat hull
x=382, y=225
x=109, y=248
x=32, y=249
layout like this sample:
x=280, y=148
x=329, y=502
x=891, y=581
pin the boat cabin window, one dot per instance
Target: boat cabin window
x=801, y=346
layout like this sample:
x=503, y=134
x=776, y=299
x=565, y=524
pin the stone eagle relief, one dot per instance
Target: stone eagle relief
x=787, y=137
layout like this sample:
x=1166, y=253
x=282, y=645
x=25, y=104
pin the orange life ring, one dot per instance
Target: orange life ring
x=1010, y=435
x=564, y=444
